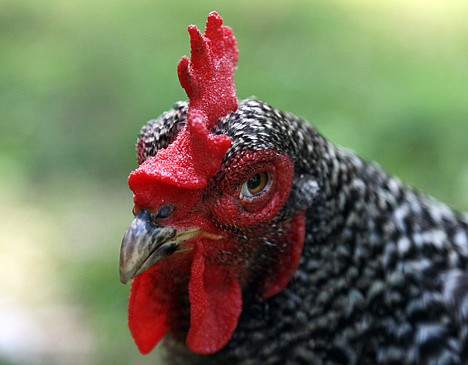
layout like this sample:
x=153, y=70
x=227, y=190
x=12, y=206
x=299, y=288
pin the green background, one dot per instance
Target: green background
x=388, y=79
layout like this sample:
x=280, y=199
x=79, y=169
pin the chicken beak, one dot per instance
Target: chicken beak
x=144, y=244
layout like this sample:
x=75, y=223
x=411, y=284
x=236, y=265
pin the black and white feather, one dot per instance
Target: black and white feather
x=383, y=277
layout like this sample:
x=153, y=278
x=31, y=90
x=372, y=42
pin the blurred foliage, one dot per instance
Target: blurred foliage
x=388, y=79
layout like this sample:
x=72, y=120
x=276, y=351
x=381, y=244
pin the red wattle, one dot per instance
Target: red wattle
x=147, y=312
x=215, y=304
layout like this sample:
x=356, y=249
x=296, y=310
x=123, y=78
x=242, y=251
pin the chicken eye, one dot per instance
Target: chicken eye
x=255, y=184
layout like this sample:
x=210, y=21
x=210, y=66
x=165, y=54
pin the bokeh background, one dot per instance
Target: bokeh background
x=388, y=79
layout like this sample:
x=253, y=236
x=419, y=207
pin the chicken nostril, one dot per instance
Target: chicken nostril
x=163, y=212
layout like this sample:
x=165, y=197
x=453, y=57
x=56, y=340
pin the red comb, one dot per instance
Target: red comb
x=208, y=79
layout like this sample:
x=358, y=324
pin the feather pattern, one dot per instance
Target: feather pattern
x=383, y=276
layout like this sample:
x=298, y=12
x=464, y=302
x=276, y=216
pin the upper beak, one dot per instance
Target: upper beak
x=145, y=243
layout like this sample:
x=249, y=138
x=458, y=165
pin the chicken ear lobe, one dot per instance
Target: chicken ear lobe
x=287, y=258
x=215, y=304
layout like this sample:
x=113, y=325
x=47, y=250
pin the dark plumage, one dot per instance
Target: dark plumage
x=257, y=241
x=383, y=274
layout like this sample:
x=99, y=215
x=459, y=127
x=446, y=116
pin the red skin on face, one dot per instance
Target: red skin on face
x=209, y=283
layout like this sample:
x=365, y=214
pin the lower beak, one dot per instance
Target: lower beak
x=144, y=244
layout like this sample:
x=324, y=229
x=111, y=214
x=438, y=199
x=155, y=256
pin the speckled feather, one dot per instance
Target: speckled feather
x=383, y=277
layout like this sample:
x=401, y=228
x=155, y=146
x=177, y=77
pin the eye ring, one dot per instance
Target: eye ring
x=255, y=185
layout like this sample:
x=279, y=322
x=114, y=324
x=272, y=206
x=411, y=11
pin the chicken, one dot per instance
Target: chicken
x=257, y=241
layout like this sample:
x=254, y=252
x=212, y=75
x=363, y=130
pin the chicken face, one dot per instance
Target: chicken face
x=212, y=218
x=193, y=250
